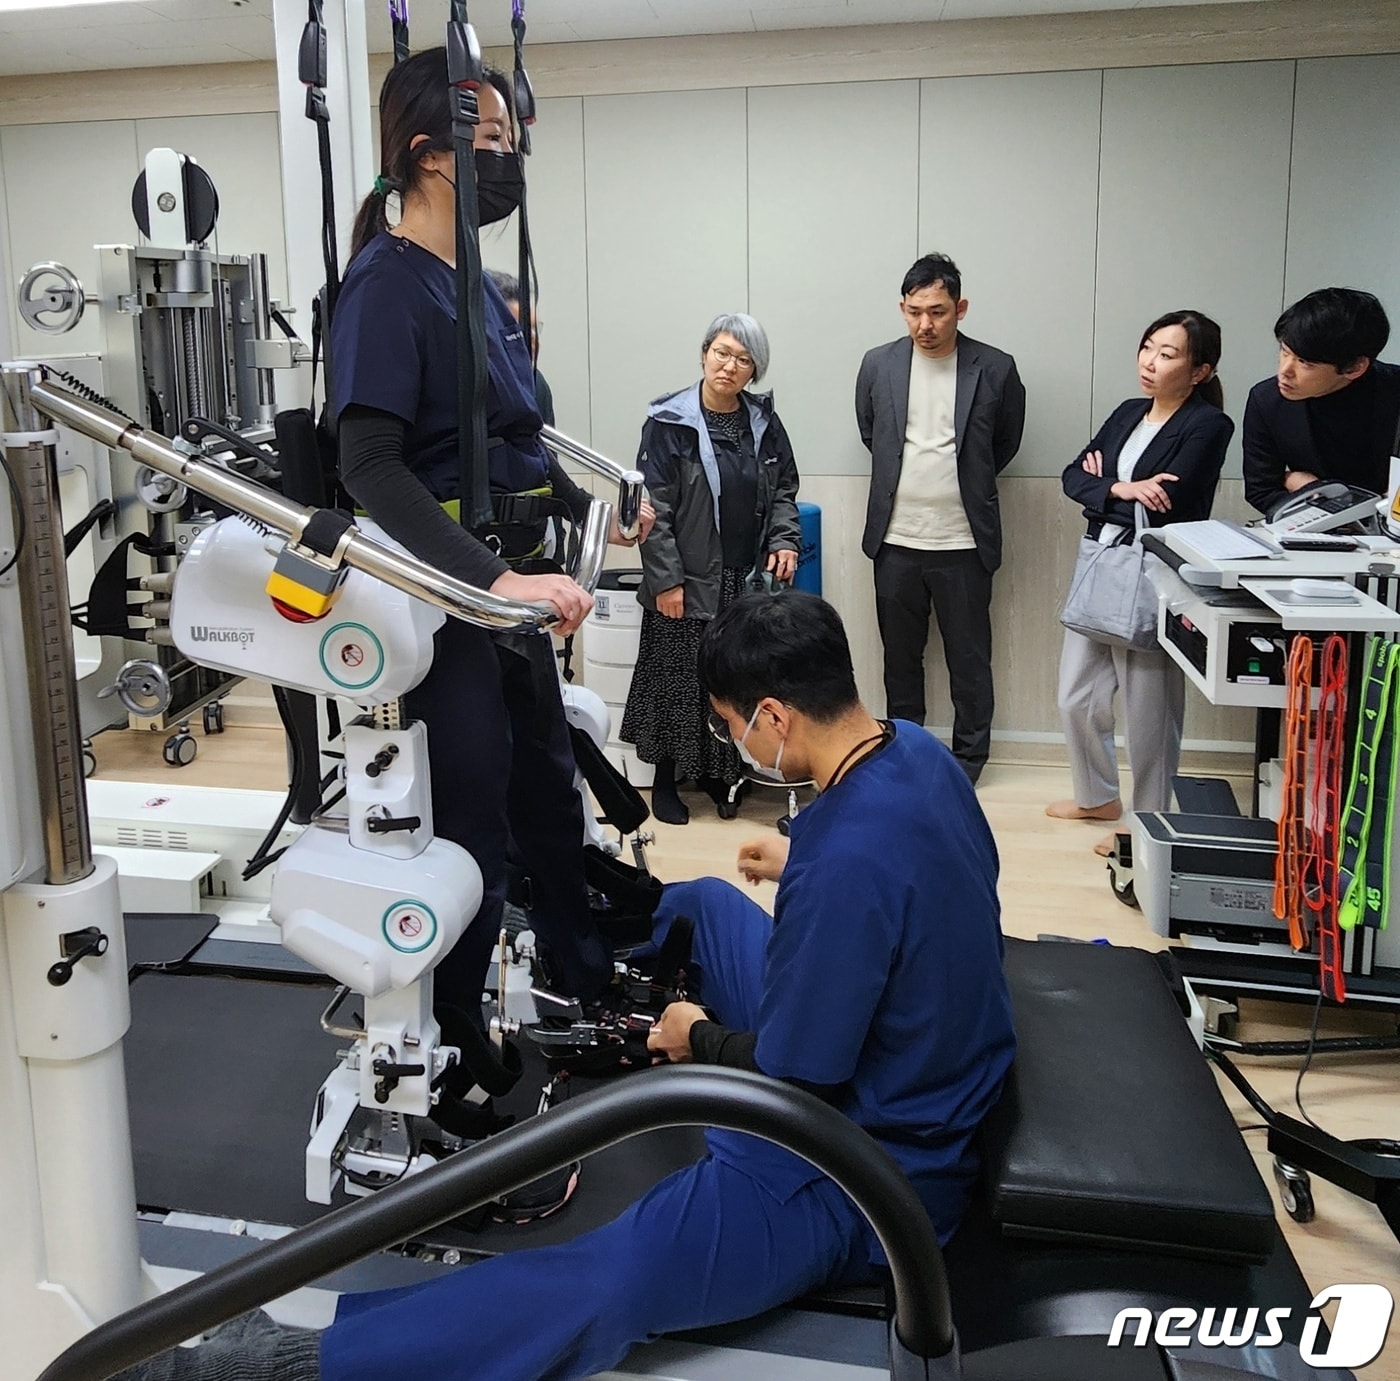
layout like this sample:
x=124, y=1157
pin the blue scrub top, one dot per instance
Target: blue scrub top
x=394, y=347
x=884, y=971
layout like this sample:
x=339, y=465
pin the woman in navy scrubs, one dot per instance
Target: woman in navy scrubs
x=503, y=768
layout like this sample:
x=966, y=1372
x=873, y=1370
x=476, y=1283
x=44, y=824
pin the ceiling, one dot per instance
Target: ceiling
x=152, y=33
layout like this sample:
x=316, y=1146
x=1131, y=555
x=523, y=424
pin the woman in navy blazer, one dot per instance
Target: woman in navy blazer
x=1163, y=451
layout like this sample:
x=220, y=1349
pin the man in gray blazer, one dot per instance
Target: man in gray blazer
x=941, y=415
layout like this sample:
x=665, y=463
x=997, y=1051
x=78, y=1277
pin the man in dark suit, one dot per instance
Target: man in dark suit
x=941, y=415
x=1332, y=410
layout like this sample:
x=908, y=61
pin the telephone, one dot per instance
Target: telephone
x=1326, y=506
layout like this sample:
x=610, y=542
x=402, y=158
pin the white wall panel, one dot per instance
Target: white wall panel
x=833, y=207
x=68, y=188
x=10, y=314
x=242, y=156
x=1009, y=187
x=554, y=172
x=667, y=244
x=1193, y=213
x=1344, y=196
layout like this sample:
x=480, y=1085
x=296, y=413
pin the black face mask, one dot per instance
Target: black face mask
x=500, y=184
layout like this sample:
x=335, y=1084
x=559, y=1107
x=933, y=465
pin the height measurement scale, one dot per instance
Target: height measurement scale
x=48, y=640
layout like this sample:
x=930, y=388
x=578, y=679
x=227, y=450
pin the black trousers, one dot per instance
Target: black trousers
x=503, y=775
x=957, y=588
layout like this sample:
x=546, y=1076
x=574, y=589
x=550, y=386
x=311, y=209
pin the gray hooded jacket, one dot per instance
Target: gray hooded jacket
x=682, y=475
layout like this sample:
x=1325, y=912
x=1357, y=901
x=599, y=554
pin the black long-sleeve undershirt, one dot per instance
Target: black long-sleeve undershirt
x=713, y=1044
x=373, y=468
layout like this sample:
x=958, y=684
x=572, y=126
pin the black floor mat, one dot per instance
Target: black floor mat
x=222, y=1074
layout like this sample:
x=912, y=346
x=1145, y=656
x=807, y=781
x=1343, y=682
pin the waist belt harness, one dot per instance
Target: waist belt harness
x=1364, y=860
x=518, y=528
x=517, y=531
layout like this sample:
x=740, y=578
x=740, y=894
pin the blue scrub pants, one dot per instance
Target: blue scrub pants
x=503, y=773
x=708, y=1245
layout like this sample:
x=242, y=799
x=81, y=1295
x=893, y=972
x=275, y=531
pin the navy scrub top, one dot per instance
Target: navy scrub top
x=394, y=347
x=884, y=972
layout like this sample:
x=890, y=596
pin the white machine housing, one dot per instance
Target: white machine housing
x=374, y=645
x=371, y=922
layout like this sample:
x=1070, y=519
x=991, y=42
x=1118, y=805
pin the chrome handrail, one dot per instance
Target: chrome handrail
x=363, y=553
x=629, y=482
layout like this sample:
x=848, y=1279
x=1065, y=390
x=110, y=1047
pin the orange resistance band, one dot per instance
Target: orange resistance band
x=1305, y=870
x=1293, y=834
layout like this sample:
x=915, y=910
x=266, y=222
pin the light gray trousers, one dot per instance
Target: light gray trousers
x=1154, y=703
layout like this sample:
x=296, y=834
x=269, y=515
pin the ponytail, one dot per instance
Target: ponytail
x=372, y=216
x=412, y=102
x=1211, y=391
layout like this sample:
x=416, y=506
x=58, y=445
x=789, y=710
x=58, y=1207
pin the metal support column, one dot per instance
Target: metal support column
x=66, y=1180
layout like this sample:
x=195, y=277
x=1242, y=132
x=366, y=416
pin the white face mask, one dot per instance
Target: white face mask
x=768, y=774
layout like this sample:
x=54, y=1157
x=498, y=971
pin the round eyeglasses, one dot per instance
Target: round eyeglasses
x=725, y=356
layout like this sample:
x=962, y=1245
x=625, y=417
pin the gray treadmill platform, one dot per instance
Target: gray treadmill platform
x=163, y=940
x=223, y=1073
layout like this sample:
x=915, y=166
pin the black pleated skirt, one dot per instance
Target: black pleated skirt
x=666, y=708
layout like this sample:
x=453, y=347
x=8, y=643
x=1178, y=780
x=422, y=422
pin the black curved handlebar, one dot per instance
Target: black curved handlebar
x=675, y=1096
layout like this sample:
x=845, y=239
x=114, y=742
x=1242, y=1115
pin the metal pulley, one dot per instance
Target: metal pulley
x=51, y=298
x=143, y=688
x=159, y=493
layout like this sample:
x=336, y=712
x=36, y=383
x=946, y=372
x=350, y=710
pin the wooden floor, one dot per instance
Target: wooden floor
x=1051, y=884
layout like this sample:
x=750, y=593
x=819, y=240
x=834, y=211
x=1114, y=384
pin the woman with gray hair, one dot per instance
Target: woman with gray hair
x=723, y=481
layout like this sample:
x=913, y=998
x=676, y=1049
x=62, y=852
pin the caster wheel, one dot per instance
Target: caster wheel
x=214, y=717
x=784, y=824
x=727, y=810
x=180, y=749
x=1125, y=893
x=1295, y=1192
x=89, y=762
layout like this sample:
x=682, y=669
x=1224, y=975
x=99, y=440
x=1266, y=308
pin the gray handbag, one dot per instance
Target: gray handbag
x=1111, y=597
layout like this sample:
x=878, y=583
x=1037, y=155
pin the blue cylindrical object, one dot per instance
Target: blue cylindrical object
x=809, y=559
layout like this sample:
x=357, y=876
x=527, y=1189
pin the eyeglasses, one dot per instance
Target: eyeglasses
x=725, y=357
x=718, y=726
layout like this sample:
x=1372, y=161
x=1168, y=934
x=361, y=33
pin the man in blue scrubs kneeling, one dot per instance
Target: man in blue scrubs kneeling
x=876, y=984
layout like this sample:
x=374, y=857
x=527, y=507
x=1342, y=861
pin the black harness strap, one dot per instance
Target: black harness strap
x=465, y=72
x=108, y=610
x=523, y=116
x=99, y=512
x=312, y=71
x=324, y=530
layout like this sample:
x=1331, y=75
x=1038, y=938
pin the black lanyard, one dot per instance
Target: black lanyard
x=850, y=762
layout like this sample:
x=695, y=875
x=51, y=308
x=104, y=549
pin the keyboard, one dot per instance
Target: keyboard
x=1219, y=540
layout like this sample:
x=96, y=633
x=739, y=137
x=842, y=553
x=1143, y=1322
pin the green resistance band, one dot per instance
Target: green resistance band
x=1364, y=852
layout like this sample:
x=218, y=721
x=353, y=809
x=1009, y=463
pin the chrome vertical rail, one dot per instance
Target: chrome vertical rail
x=29, y=443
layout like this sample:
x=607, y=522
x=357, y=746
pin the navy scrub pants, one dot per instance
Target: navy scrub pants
x=503, y=772
x=708, y=1245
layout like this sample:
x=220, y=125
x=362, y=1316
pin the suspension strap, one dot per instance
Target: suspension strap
x=312, y=70
x=1364, y=861
x=465, y=73
x=398, y=24
x=522, y=117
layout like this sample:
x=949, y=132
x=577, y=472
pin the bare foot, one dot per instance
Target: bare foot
x=1069, y=810
x=1105, y=845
